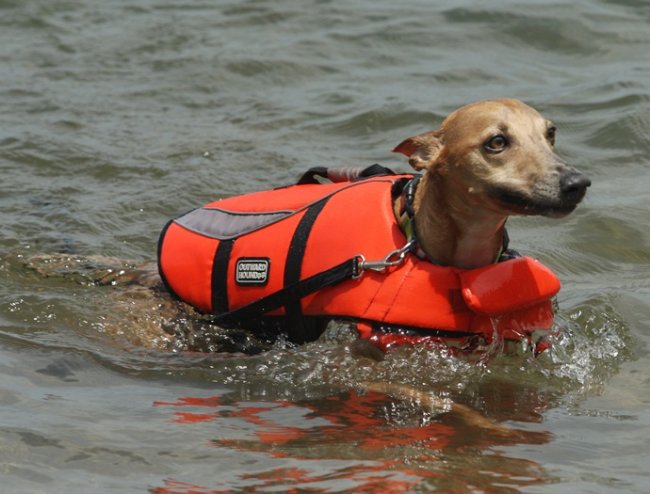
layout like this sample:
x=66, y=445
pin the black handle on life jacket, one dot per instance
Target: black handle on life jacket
x=343, y=174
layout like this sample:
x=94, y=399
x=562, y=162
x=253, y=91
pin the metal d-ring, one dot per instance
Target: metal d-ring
x=393, y=258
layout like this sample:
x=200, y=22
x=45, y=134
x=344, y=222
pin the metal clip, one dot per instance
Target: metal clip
x=393, y=258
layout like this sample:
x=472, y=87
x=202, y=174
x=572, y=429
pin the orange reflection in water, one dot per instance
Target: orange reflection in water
x=387, y=446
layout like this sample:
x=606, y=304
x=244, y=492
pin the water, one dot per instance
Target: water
x=119, y=115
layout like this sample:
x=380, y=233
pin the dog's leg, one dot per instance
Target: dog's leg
x=428, y=401
x=468, y=415
x=363, y=348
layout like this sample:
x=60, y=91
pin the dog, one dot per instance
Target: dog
x=302, y=255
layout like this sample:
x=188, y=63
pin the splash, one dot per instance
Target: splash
x=589, y=345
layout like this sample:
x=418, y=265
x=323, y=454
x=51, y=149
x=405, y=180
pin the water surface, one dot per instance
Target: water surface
x=119, y=115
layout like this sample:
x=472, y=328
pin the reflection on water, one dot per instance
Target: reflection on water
x=387, y=445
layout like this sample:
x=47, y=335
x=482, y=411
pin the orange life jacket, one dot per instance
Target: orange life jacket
x=302, y=251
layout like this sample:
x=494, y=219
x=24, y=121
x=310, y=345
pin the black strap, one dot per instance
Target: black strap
x=161, y=239
x=296, y=291
x=220, y=276
x=293, y=267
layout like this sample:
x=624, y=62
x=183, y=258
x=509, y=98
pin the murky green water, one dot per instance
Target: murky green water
x=118, y=115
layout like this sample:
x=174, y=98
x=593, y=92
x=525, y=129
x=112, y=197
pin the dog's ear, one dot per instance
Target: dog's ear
x=422, y=150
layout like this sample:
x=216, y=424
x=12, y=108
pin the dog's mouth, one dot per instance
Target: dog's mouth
x=555, y=197
x=518, y=203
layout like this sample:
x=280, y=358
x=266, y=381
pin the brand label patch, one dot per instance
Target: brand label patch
x=252, y=271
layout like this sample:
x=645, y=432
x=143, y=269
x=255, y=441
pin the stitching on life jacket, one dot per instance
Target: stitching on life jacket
x=398, y=289
x=371, y=300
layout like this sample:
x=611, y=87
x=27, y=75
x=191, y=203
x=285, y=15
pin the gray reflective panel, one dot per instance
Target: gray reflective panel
x=222, y=225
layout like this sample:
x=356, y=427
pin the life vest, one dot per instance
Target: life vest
x=307, y=251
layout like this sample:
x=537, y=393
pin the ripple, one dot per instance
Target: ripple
x=574, y=262
x=278, y=71
x=534, y=29
x=611, y=239
x=624, y=134
x=591, y=343
x=384, y=119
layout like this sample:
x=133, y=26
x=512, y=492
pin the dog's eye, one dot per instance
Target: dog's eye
x=550, y=134
x=496, y=144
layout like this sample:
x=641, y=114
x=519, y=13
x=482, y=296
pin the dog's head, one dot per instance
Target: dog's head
x=501, y=154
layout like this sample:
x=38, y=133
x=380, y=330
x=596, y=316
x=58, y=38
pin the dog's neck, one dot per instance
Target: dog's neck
x=453, y=229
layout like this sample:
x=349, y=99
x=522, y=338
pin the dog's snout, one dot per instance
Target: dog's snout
x=574, y=185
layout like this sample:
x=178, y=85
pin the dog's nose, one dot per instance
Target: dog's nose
x=574, y=184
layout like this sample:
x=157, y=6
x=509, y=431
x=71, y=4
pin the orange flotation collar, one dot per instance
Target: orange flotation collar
x=308, y=251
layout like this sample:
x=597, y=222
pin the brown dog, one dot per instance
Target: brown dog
x=488, y=160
